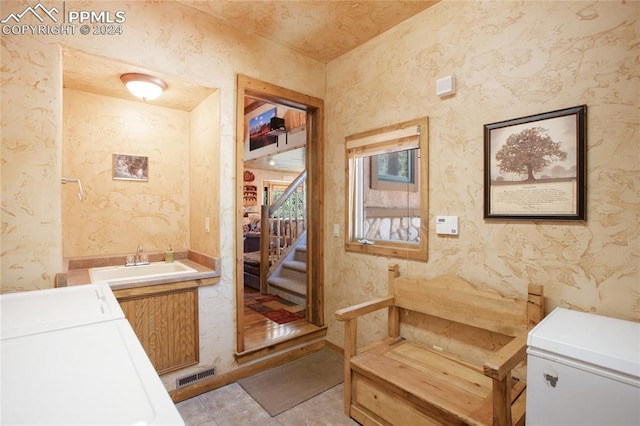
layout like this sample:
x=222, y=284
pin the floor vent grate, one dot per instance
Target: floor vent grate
x=186, y=381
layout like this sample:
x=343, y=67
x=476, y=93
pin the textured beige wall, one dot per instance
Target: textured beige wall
x=117, y=215
x=164, y=36
x=31, y=245
x=204, y=179
x=511, y=59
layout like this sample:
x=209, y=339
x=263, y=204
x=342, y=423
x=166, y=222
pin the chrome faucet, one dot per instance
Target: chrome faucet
x=138, y=259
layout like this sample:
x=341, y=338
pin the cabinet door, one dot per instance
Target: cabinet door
x=166, y=323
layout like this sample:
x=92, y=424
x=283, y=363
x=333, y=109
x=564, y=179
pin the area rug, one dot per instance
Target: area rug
x=282, y=388
x=277, y=309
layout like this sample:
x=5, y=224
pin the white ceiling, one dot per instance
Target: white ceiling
x=289, y=161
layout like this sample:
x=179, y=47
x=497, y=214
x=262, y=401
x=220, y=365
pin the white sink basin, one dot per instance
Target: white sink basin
x=119, y=274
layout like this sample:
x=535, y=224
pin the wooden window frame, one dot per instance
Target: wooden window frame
x=395, y=134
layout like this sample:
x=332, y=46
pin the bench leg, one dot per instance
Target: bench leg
x=502, y=401
x=350, y=335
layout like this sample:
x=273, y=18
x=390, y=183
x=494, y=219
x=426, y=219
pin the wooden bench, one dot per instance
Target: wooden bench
x=454, y=364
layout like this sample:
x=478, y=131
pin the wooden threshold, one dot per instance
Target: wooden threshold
x=277, y=346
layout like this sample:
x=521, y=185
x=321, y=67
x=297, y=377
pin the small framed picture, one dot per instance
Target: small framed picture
x=259, y=127
x=130, y=167
x=534, y=167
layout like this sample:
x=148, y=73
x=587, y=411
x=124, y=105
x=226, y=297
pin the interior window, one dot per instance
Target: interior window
x=273, y=190
x=387, y=177
x=294, y=206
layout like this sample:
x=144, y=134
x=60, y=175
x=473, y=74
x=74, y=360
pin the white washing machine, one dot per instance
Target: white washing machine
x=32, y=312
x=69, y=357
x=583, y=369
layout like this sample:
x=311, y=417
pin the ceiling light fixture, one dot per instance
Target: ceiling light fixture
x=271, y=162
x=143, y=86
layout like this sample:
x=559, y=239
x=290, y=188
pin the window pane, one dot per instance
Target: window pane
x=387, y=213
x=395, y=166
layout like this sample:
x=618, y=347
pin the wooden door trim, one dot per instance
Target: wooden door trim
x=315, y=187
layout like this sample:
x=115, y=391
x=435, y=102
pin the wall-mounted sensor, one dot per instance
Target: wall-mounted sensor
x=447, y=225
x=446, y=86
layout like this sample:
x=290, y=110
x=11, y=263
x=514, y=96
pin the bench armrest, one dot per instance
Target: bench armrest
x=364, y=308
x=507, y=358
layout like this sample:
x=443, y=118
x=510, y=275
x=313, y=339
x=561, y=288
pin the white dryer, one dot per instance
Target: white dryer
x=69, y=357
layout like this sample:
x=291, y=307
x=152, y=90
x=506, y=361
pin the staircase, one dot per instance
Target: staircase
x=289, y=280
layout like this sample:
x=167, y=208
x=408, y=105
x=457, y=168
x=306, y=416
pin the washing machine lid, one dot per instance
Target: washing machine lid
x=595, y=339
x=51, y=309
x=95, y=374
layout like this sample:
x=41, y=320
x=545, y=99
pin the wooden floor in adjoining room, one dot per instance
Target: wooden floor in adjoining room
x=260, y=331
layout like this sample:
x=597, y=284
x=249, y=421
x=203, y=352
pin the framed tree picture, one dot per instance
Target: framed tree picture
x=534, y=167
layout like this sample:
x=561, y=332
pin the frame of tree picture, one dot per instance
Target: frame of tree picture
x=534, y=166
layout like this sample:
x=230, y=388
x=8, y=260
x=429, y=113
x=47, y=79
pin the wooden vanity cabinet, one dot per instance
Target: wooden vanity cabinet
x=165, y=319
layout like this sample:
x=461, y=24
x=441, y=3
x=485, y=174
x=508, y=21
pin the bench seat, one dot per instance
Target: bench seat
x=397, y=381
x=432, y=380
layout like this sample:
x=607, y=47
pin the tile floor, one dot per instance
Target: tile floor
x=232, y=406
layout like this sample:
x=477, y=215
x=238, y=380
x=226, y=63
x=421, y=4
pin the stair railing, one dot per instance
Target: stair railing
x=281, y=224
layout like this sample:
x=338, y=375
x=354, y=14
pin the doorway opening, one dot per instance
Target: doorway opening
x=279, y=215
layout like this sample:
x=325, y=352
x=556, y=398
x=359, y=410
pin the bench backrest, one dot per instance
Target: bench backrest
x=452, y=298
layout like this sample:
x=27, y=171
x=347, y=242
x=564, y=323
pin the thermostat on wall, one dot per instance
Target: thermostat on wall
x=447, y=225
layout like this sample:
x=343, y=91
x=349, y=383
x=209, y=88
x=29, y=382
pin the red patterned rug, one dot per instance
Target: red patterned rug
x=278, y=309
